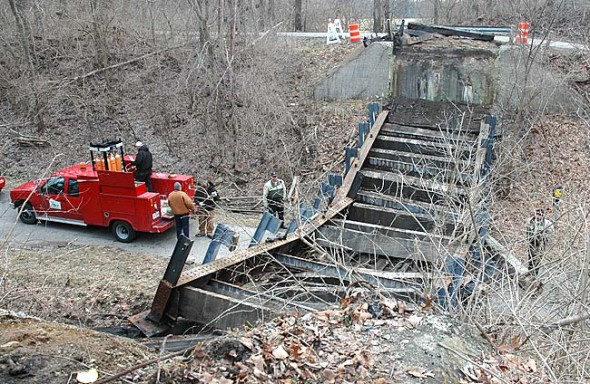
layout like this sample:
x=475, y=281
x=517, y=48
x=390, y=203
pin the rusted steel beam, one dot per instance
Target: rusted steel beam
x=378, y=243
x=208, y=308
x=356, y=165
x=379, y=279
x=171, y=276
x=257, y=297
x=240, y=256
x=400, y=218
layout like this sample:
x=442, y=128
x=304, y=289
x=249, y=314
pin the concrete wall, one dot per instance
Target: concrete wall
x=528, y=83
x=365, y=75
x=461, y=75
x=448, y=69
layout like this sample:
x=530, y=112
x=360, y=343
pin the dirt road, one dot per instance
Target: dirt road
x=15, y=232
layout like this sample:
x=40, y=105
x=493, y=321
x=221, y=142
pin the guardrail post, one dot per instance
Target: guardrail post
x=374, y=111
x=305, y=211
x=363, y=130
x=335, y=179
x=349, y=153
x=223, y=236
x=268, y=222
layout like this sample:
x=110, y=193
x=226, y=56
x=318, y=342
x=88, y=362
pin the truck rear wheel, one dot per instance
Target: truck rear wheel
x=123, y=231
x=27, y=215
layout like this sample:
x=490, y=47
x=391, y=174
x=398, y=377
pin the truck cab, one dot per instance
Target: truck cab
x=82, y=195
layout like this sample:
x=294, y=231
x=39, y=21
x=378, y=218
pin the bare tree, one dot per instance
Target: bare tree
x=35, y=109
x=378, y=15
x=298, y=12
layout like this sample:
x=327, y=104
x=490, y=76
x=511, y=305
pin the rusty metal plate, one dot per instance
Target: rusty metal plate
x=148, y=327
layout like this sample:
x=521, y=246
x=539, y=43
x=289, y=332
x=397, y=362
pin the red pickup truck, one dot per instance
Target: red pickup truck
x=82, y=195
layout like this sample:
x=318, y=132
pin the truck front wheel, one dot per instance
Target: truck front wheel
x=27, y=214
x=123, y=231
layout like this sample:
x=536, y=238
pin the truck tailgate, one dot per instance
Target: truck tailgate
x=161, y=225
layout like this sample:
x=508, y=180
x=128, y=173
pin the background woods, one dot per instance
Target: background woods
x=192, y=79
x=195, y=79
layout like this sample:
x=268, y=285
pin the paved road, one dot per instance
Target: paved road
x=19, y=234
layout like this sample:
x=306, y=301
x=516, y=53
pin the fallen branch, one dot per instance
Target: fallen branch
x=143, y=364
x=471, y=361
x=130, y=61
x=30, y=141
x=565, y=321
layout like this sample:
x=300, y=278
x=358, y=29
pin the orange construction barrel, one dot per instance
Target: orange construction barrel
x=355, y=34
x=522, y=32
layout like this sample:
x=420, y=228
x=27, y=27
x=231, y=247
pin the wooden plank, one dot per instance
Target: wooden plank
x=432, y=134
x=450, y=149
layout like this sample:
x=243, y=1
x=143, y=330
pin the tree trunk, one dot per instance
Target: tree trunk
x=388, y=15
x=377, y=16
x=261, y=8
x=270, y=12
x=35, y=111
x=436, y=15
x=220, y=17
x=298, y=11
x=201, y=11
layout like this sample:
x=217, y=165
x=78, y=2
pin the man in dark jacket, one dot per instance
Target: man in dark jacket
x=143, y=165
x=205, y=196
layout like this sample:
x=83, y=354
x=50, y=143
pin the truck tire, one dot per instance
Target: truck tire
x=123, y=231
x=27, y=215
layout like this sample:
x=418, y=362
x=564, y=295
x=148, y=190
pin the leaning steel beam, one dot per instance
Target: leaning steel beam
x=362, y=156
x=240, y=256
x=187, y=290
x=197, y=305
x=377, y=278
x=259, y=297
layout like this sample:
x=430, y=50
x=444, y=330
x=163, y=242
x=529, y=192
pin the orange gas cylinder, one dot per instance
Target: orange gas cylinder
x=118, y=162
x=112, y=163
x=99, y=164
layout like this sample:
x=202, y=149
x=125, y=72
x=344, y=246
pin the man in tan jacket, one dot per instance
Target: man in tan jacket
x=181, y=206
